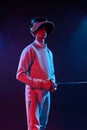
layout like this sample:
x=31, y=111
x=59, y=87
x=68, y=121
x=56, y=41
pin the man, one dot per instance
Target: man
x=36, y=71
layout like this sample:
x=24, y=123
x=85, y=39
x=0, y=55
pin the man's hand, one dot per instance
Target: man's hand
x=53, y=87
x=41, y=84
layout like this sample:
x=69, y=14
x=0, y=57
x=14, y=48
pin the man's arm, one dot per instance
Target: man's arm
x=53, y=78
x=24, y=64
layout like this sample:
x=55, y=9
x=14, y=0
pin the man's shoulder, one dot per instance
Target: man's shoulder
x=49, y=50
x=28, y=47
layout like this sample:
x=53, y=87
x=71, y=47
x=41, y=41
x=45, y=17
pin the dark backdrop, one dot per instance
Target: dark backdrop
x=69, y=46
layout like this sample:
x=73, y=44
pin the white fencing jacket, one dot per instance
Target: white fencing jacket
x=36, y=61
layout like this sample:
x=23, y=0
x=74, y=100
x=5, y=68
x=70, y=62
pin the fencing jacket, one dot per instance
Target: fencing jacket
x=36, y=61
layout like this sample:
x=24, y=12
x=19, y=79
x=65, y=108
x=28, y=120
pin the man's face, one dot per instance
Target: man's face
x=41, y=34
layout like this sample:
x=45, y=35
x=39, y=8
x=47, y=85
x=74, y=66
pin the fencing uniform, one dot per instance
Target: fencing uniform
x=36, y=62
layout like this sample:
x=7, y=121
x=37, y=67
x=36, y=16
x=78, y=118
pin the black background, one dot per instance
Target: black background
x=69, y=46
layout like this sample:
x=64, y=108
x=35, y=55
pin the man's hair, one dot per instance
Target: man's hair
x=38, y=19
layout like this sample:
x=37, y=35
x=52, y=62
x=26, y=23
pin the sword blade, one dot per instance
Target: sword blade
x=71, y=83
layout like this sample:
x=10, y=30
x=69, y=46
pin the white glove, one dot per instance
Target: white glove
x=53, y=87
x=41, y=84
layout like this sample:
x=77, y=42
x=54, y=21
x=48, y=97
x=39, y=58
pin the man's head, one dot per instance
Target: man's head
x=40, y=22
